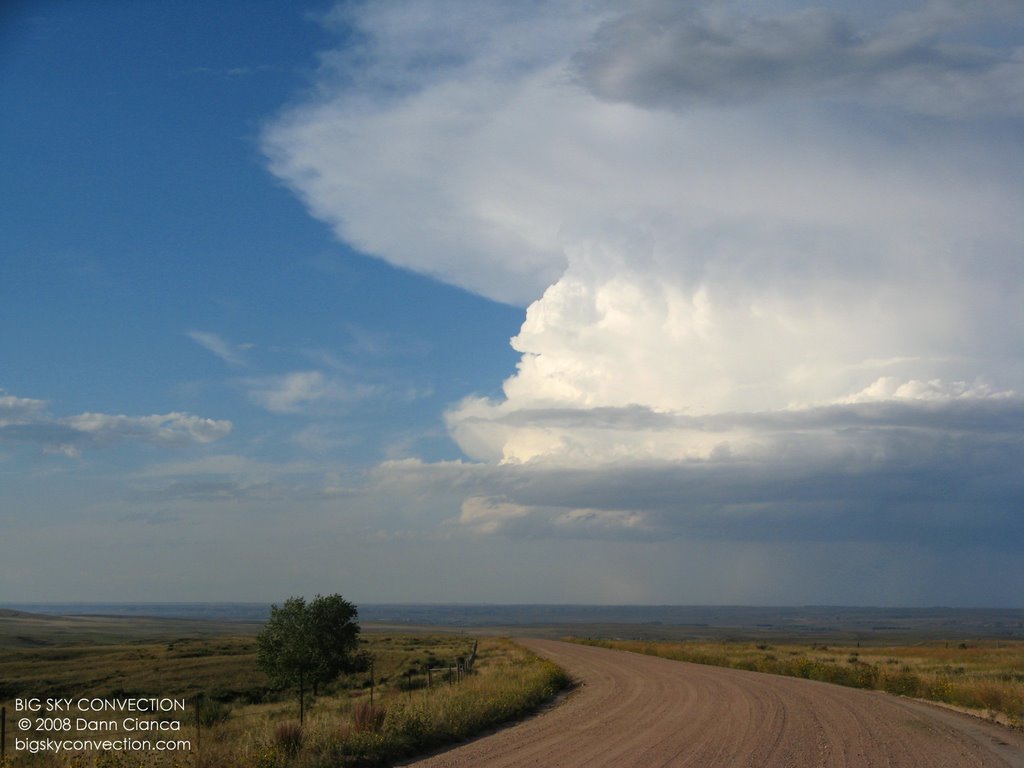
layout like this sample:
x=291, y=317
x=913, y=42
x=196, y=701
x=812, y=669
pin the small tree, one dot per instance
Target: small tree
x=305, y=645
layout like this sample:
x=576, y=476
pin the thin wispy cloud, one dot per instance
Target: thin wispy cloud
x=232, y=354
x=365, y=341
x=231, y=73
x=301, y=391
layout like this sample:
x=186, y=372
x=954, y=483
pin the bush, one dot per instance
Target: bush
x=906, y=683
x=943, y=690
x=210, y=712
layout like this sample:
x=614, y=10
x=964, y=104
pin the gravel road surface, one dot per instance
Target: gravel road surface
x=633, y=711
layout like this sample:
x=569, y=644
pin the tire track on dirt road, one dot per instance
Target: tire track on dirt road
x=633, y=711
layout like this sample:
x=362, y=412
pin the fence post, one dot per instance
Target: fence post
x=199, y=734
x=3, y=732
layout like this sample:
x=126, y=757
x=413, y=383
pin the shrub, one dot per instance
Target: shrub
x=210, y=712
x=943, y=690
x=906, y=683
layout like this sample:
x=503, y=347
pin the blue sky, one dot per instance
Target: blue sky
x=760, y=266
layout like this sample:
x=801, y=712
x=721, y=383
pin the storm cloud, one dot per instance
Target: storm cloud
x=770, y=258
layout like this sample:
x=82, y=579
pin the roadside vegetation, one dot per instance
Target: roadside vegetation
x=237, y=718
x=405, y=719
x=986, y=677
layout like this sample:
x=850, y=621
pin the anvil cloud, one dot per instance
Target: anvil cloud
x=771, y=257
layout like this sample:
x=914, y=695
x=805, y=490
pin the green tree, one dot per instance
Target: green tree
x=304, y=645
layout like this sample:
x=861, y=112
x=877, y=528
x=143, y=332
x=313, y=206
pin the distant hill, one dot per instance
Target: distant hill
x=9, y=613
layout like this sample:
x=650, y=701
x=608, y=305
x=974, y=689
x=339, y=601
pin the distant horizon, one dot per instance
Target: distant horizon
x=458, y=604
x=679, y=621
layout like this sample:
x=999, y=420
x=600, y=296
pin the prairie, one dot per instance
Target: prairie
x=234, y=718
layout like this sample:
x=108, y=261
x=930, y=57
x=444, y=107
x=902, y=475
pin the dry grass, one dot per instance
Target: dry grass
x=340, y=728
x=288, y=738
x=347, y=731
x=368, y=718
x=984, y=676
x=222, y=668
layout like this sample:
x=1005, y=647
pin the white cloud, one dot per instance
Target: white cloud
x=891, y=388
x=771, y=258
x=230, y=353
x=300, y=390
x=19, y=410
x=23, y=420
x=166, y=428
x=419, y=121
x=699, y=260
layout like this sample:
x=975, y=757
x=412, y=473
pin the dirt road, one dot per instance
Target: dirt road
x=638, y=711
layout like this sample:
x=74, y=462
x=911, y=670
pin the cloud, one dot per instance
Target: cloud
x=429, y=81
x=486, y=168
x=482, y=514
x=769, y=258
x=229, y=353
x=368, y=342
x=229, y=73
x=845, y=474
x=507, y=433
x=23, y=420
x=168, y=428
x=665, y=54
x=319, y=439
x=300, y=390
x=489, y=515
x=240, y=482
x=18, y=410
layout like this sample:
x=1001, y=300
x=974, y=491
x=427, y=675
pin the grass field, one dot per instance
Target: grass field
x=242, y=721
x=985, y=676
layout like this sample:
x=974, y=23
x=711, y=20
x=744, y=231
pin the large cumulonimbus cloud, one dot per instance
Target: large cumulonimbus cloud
x=766, y=241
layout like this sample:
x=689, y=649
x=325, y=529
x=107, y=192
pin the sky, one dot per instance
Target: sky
x=451, y=301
